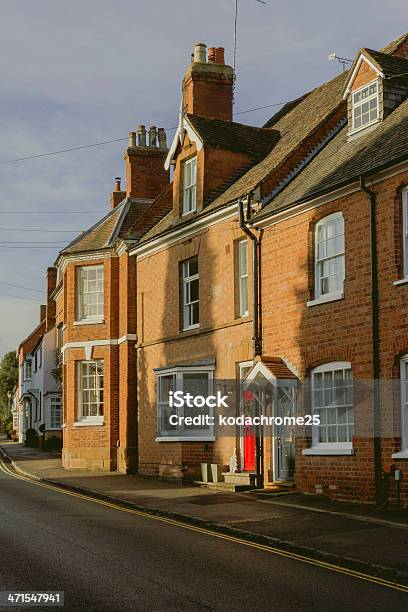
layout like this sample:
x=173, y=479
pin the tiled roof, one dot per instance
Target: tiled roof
x=278, y=367
x=284, y=110
x=161, y=207
x=231, y=136
x=387, y=64
x=394, y=45
x=343, y=160
x=114, y=225
x=295, y=127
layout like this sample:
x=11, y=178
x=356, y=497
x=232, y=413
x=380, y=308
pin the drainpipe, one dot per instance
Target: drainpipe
x=256, y=262
x=256, y=324
x=375, y=342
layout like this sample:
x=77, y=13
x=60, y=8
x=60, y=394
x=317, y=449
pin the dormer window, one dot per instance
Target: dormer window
x=189, y=185
x=365, y=106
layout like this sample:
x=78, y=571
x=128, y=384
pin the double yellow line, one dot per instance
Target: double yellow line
x=269, y=549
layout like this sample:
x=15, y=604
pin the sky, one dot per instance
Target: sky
x=81, y=72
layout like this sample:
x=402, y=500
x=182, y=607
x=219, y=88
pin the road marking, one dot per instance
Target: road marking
x=270, y=549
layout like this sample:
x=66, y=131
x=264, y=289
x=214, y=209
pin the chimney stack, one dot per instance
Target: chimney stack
x=208, y=85
x=43, y=312
x=51, y=281
x=145, y=157
x=200, y=53
x=117, y=196
x=141, y=136
x=161, y=132
x=152, y=136
x=211, y=55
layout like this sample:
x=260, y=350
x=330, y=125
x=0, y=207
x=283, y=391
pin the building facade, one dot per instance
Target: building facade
x=275, y=258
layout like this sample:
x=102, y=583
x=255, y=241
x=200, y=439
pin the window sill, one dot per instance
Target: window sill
x=327, y=451
x=90, y=321
x=185, y=439
x=400, y=455
x=401, y=281
x=92, y=422
x=186, y=329
x=325, y=299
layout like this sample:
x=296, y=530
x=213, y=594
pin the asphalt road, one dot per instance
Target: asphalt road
x=107, y=559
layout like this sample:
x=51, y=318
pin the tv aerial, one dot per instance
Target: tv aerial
x=344, y=61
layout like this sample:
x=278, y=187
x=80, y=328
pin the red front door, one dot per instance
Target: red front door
x=249, y=449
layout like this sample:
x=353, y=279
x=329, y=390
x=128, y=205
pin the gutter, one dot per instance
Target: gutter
x=379, y=494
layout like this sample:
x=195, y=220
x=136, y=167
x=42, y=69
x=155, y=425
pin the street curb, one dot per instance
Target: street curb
x=385, y=572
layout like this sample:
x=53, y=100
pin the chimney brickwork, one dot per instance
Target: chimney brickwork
x=208, y=85
x=145, y=157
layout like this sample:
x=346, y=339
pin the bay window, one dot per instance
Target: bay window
x=90, y=293
x=90, y=391
x=194, y=380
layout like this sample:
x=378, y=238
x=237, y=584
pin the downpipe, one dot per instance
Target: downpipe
x=379, y=491
x=256, y=322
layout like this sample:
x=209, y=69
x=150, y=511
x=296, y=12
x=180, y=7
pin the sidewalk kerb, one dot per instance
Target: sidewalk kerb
x=384, y=572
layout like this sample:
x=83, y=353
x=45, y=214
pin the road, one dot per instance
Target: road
x=104, y=558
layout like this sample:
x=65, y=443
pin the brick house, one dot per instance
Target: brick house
x=96, y=317
x=37, y=400
x=276, y=256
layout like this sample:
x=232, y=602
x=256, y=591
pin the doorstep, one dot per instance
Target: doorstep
x=224, y=486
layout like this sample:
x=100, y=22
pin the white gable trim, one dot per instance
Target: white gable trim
x=260, y=368
x=184, y=127
x=360, y=60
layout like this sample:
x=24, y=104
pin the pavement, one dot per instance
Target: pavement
x=355, y=535
x=104, y=557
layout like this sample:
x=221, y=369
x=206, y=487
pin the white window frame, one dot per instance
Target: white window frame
x=178, y=372
x=188, y=305
x=55, y=399
x=81, y=317
x=403, y=453
x=319, y=296
x=83, y=419
x=243, y=293
x=190, y=185
x=28, y=369
x=405, y=231
x=328, y=448
x=354, y=106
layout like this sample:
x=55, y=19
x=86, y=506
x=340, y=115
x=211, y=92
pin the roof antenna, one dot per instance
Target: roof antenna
x=234, y=63
x=343, y=60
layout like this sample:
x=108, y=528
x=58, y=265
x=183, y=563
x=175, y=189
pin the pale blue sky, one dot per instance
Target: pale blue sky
x=79, y=72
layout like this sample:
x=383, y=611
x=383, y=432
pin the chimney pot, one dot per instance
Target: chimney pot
x=141, y=135
x=117, y=183
x=152, y=136
x=162, y=138
x=211, y=55
x=200, y=53
x=220, y=55
x=132, y=139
